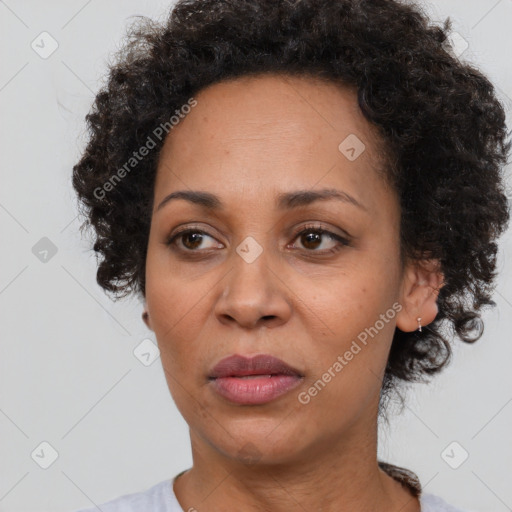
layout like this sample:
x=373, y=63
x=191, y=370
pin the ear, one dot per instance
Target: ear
x=420, y=287
x=146, y=318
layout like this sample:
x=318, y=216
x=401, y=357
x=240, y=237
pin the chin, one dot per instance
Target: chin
x=257, y=442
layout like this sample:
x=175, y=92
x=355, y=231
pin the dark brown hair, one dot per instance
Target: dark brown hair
x=439, y=118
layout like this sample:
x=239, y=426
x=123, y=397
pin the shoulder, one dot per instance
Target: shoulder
x=158, y=498
x=432, y=503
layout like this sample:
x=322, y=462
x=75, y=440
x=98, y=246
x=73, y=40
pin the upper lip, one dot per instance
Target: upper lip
x=263, y=364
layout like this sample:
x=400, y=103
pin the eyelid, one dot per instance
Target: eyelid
x=318, y=226
x=344, y=239
x=186, y=229
x=294, y=232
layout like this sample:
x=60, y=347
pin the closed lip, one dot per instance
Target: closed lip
x=263, y=364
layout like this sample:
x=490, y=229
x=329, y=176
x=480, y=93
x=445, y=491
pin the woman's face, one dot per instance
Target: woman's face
x=245, y=281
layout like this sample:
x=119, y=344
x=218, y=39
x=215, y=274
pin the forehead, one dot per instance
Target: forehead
x=269, y=133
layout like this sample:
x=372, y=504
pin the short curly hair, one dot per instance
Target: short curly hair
x=439, y=118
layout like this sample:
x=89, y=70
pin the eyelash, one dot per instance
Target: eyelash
x=311, y=228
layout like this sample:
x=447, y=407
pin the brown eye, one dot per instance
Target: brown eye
x=312, y=237
x=191, y=239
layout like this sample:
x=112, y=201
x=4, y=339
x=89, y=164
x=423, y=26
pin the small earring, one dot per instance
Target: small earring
x=144, y=315
x=419, y=324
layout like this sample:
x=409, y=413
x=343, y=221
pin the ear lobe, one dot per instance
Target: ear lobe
x=420, y=289
x=145, y=317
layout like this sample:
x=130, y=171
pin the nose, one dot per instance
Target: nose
x=254, y=294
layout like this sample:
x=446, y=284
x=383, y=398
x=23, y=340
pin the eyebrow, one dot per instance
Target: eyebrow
x=285, y=200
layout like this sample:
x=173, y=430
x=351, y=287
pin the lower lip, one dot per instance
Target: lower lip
x=255, y=390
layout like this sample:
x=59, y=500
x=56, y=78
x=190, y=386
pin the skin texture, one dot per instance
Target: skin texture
x=246, y=141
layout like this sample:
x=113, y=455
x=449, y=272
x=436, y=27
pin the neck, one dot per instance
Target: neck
x=342, y=476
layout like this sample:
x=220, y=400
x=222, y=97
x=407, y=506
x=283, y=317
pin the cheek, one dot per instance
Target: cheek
x=170, y=295
x=176, y=320
x=175, y=312
x=352, y=318
x=175, y=307
x=346, y=305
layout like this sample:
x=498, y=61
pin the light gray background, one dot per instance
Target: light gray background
x=68, y=375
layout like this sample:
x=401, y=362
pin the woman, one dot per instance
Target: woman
x=305, y=194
